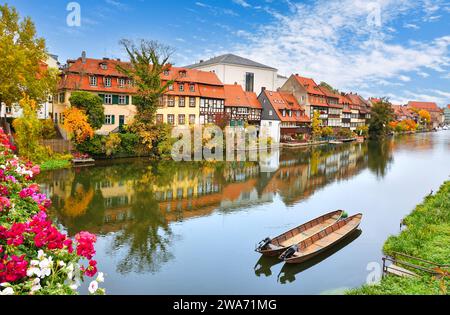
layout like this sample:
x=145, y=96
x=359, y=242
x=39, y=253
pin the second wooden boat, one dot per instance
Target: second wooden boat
x=321, y=241
x=276, y=246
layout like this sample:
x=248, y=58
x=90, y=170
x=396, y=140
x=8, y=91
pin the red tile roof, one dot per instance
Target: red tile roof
x=253, y=99
x=287, y=101
x=331, y=95
x=428, y=106
x=76, y=76
x=310, y=85
x=235, y=96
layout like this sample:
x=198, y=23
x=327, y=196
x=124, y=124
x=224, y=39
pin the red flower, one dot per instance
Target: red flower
x=85, y=244
x=91, y=269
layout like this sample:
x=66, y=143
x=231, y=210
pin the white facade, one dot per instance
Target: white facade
x=232, y=69
x=272, y=129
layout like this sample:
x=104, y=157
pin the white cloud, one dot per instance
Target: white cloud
x=412, y=26
x=333, y=41
x=242, y=3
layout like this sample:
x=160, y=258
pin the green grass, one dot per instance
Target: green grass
x=428, y=237
x=55, y=164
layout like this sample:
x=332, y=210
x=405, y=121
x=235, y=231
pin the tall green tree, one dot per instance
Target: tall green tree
x=22, y=54
x=381, y=115
x=148, y=60
x=92, y=105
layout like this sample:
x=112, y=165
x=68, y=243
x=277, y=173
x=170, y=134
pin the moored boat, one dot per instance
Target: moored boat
x=321, y=241
x=277, y=245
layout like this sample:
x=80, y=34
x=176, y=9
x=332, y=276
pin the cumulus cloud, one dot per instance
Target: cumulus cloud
x=346, y=43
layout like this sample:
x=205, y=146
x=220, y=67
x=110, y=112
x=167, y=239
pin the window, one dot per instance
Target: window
x=104, y=66
x=270, y=113
x=183, y=74
x=284, y=113
x=191, y=101
x=110, y=119
x=107, y=82
x=182, y=102
x=122, y=100
x=270, y=124
x=170, y=87
x=171, y=119
x=181, y=87
x=129, y=82
x=171, y=101
x=61, y=97
x=8, y=109
x=192, y=119
x=93, y=81
x=249, y=81
x=192, y=87
x=159, y=118
x=121, y=82
x=108, y=99
x=181, y=119
x=166, y=72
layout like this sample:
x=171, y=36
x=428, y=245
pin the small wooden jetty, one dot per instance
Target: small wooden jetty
x=276, y=246
x=397, y=264
x=83, y=162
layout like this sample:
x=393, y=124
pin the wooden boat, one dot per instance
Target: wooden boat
x=321, y=241
x=276, y=246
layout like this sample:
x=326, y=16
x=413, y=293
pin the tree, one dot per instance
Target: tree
x=76, y=123
x=382, y=114
x=425, y=117
x=315, y=125
x=21, y=60
x=329, y=87
x=148, y=61
x=28, y=132
x=327, y=131
x=93, y=106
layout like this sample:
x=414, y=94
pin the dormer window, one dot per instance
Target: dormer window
x=121, y=82
x=170, y=87
x=192, y=87
x=183, y=74
x=166, y=73
x=104, y=66
x=181, y=87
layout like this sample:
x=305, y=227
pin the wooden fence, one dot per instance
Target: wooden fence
x=58, y=145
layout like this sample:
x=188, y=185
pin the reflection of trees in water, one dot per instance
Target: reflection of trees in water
x=147, y=238
x=380, y=157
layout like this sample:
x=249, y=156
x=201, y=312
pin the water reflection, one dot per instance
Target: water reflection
x=135, y=201
x=289, y=271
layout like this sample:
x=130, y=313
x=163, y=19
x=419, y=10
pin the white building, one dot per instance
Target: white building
x=15, y=110
x=251, y=75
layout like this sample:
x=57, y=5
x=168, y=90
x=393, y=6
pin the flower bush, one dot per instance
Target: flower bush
x=35, y=257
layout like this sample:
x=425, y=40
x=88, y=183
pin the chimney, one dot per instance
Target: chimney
x=118, y=59
x=83, y=57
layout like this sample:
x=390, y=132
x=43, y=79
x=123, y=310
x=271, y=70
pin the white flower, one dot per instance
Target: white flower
x=45, y=272
x=100, y=277
x=7, y=291
x=34, y=263
x=61, y=263
x=75, y=284
x=41, y=254
x=93, y=287
x=36, y=285
x=70, y=267
x=34, y=271
x=5, y=284
x=46, y=263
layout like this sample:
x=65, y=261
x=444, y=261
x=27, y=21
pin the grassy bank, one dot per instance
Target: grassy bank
x=427, y=236
x=55, y=164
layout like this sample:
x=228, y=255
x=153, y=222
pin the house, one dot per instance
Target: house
x=437, y=115
x=345, y=102
x=309, y=94
x=402, y=112
x=241, y=107
x=196, y=97
x=447, y=115
x=360, y=109
x=335, y=109
x=252, y=75
x=283, y=116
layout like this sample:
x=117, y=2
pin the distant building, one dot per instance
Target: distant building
x=231, y=69
x=402, y=112
x=437, y=114
x=447, y=114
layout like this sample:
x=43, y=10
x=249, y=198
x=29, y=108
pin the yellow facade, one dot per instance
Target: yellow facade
x=176, y=110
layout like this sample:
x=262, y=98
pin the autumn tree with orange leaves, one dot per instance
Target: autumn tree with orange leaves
x=76, y=124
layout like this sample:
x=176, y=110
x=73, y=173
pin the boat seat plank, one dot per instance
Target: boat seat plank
x=305, y=234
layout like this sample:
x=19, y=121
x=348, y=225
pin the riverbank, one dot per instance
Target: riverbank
x=427, y=236
x=55, y=164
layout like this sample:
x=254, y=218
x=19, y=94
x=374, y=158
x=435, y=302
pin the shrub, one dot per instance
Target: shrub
x=129, y=143
x=327, y=131
x=93, y=146
x=35, y=257
x=48, y=129
x=112, y=144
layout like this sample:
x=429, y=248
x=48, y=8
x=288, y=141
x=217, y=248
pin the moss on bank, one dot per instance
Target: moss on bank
x=428, y=237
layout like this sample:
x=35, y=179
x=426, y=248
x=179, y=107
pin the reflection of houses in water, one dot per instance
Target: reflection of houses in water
x=199, y=191
x=270, y=162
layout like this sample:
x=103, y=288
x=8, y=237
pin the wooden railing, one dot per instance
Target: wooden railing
x=58, y=145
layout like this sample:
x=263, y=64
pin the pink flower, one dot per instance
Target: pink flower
x=85, y=244
x=4, y=203
x=91, y=270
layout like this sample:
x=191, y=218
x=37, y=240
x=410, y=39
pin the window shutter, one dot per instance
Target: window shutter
x=113, y=119
x=102, y=96
x=115, y=99
x=128, y=100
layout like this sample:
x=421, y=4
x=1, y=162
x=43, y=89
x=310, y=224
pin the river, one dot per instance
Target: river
x=191, y=228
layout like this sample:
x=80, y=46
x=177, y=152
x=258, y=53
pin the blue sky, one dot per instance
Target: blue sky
x=394, y=48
